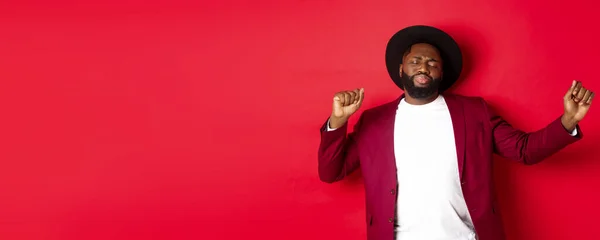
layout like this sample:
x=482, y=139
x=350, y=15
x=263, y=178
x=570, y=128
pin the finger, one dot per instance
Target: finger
x=571, y=89
x=580, y=93
x=337, y=97
x=356, y=95
x=576, y=88
x=347, y=99
x=589, y=101
x=352, y=97
x=586, y=97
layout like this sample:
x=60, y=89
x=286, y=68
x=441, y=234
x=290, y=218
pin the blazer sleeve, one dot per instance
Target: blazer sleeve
x=338, y=152
x=528, y=147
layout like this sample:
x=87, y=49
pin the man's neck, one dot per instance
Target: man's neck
x=420, y=101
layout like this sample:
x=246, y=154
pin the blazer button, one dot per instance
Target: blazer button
x=391, y=220
x=393, y=191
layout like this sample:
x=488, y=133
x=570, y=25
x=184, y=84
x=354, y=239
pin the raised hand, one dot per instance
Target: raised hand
x=345, y=103
x=577, y=102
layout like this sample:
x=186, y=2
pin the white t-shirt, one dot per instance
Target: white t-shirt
x=430, y=200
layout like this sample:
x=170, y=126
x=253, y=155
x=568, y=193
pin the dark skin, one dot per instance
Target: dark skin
x=425, y=60
x=422, y=59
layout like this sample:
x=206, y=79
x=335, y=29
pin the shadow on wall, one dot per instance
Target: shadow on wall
x=474, y=46
x=353, y=181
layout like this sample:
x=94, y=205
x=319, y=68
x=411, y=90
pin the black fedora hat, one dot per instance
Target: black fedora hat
x=448, y=48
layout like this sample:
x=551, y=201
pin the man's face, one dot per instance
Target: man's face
x=421, y=71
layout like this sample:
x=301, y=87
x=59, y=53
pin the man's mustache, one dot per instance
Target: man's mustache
x=421, y=74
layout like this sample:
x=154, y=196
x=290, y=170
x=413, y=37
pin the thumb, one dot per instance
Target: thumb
x=570, y=92
x=337, y=102
x=361, y=96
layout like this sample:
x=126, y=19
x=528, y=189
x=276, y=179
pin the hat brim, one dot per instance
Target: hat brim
x=450, y=52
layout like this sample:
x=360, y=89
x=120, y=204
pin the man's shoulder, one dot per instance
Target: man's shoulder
x=470, y=102
x=463, y=98
x=471, y=105
x=383, y=108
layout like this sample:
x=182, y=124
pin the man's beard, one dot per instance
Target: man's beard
x=420, y=92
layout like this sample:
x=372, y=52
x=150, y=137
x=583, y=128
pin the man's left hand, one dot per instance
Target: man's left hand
x=577, y=102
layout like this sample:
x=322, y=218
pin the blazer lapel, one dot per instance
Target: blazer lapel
x=458, y=123
x=388, y=118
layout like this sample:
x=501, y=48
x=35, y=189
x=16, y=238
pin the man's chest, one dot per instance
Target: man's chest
x=424, y=146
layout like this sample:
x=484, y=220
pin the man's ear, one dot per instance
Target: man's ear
x=400, y=70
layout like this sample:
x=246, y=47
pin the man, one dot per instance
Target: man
x=426, y=157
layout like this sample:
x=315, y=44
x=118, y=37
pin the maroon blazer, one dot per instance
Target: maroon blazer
x=479, y=133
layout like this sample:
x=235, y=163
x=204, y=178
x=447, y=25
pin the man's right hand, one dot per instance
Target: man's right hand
x=345, y=104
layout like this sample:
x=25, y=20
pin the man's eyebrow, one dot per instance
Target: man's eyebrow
x=421, y=57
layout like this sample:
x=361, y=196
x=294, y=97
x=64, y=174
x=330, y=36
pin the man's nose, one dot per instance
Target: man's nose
x=424, y=69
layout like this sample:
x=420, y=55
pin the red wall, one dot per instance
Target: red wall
x=163, y=120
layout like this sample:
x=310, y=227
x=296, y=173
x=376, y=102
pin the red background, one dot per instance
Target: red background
x=172, y=120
